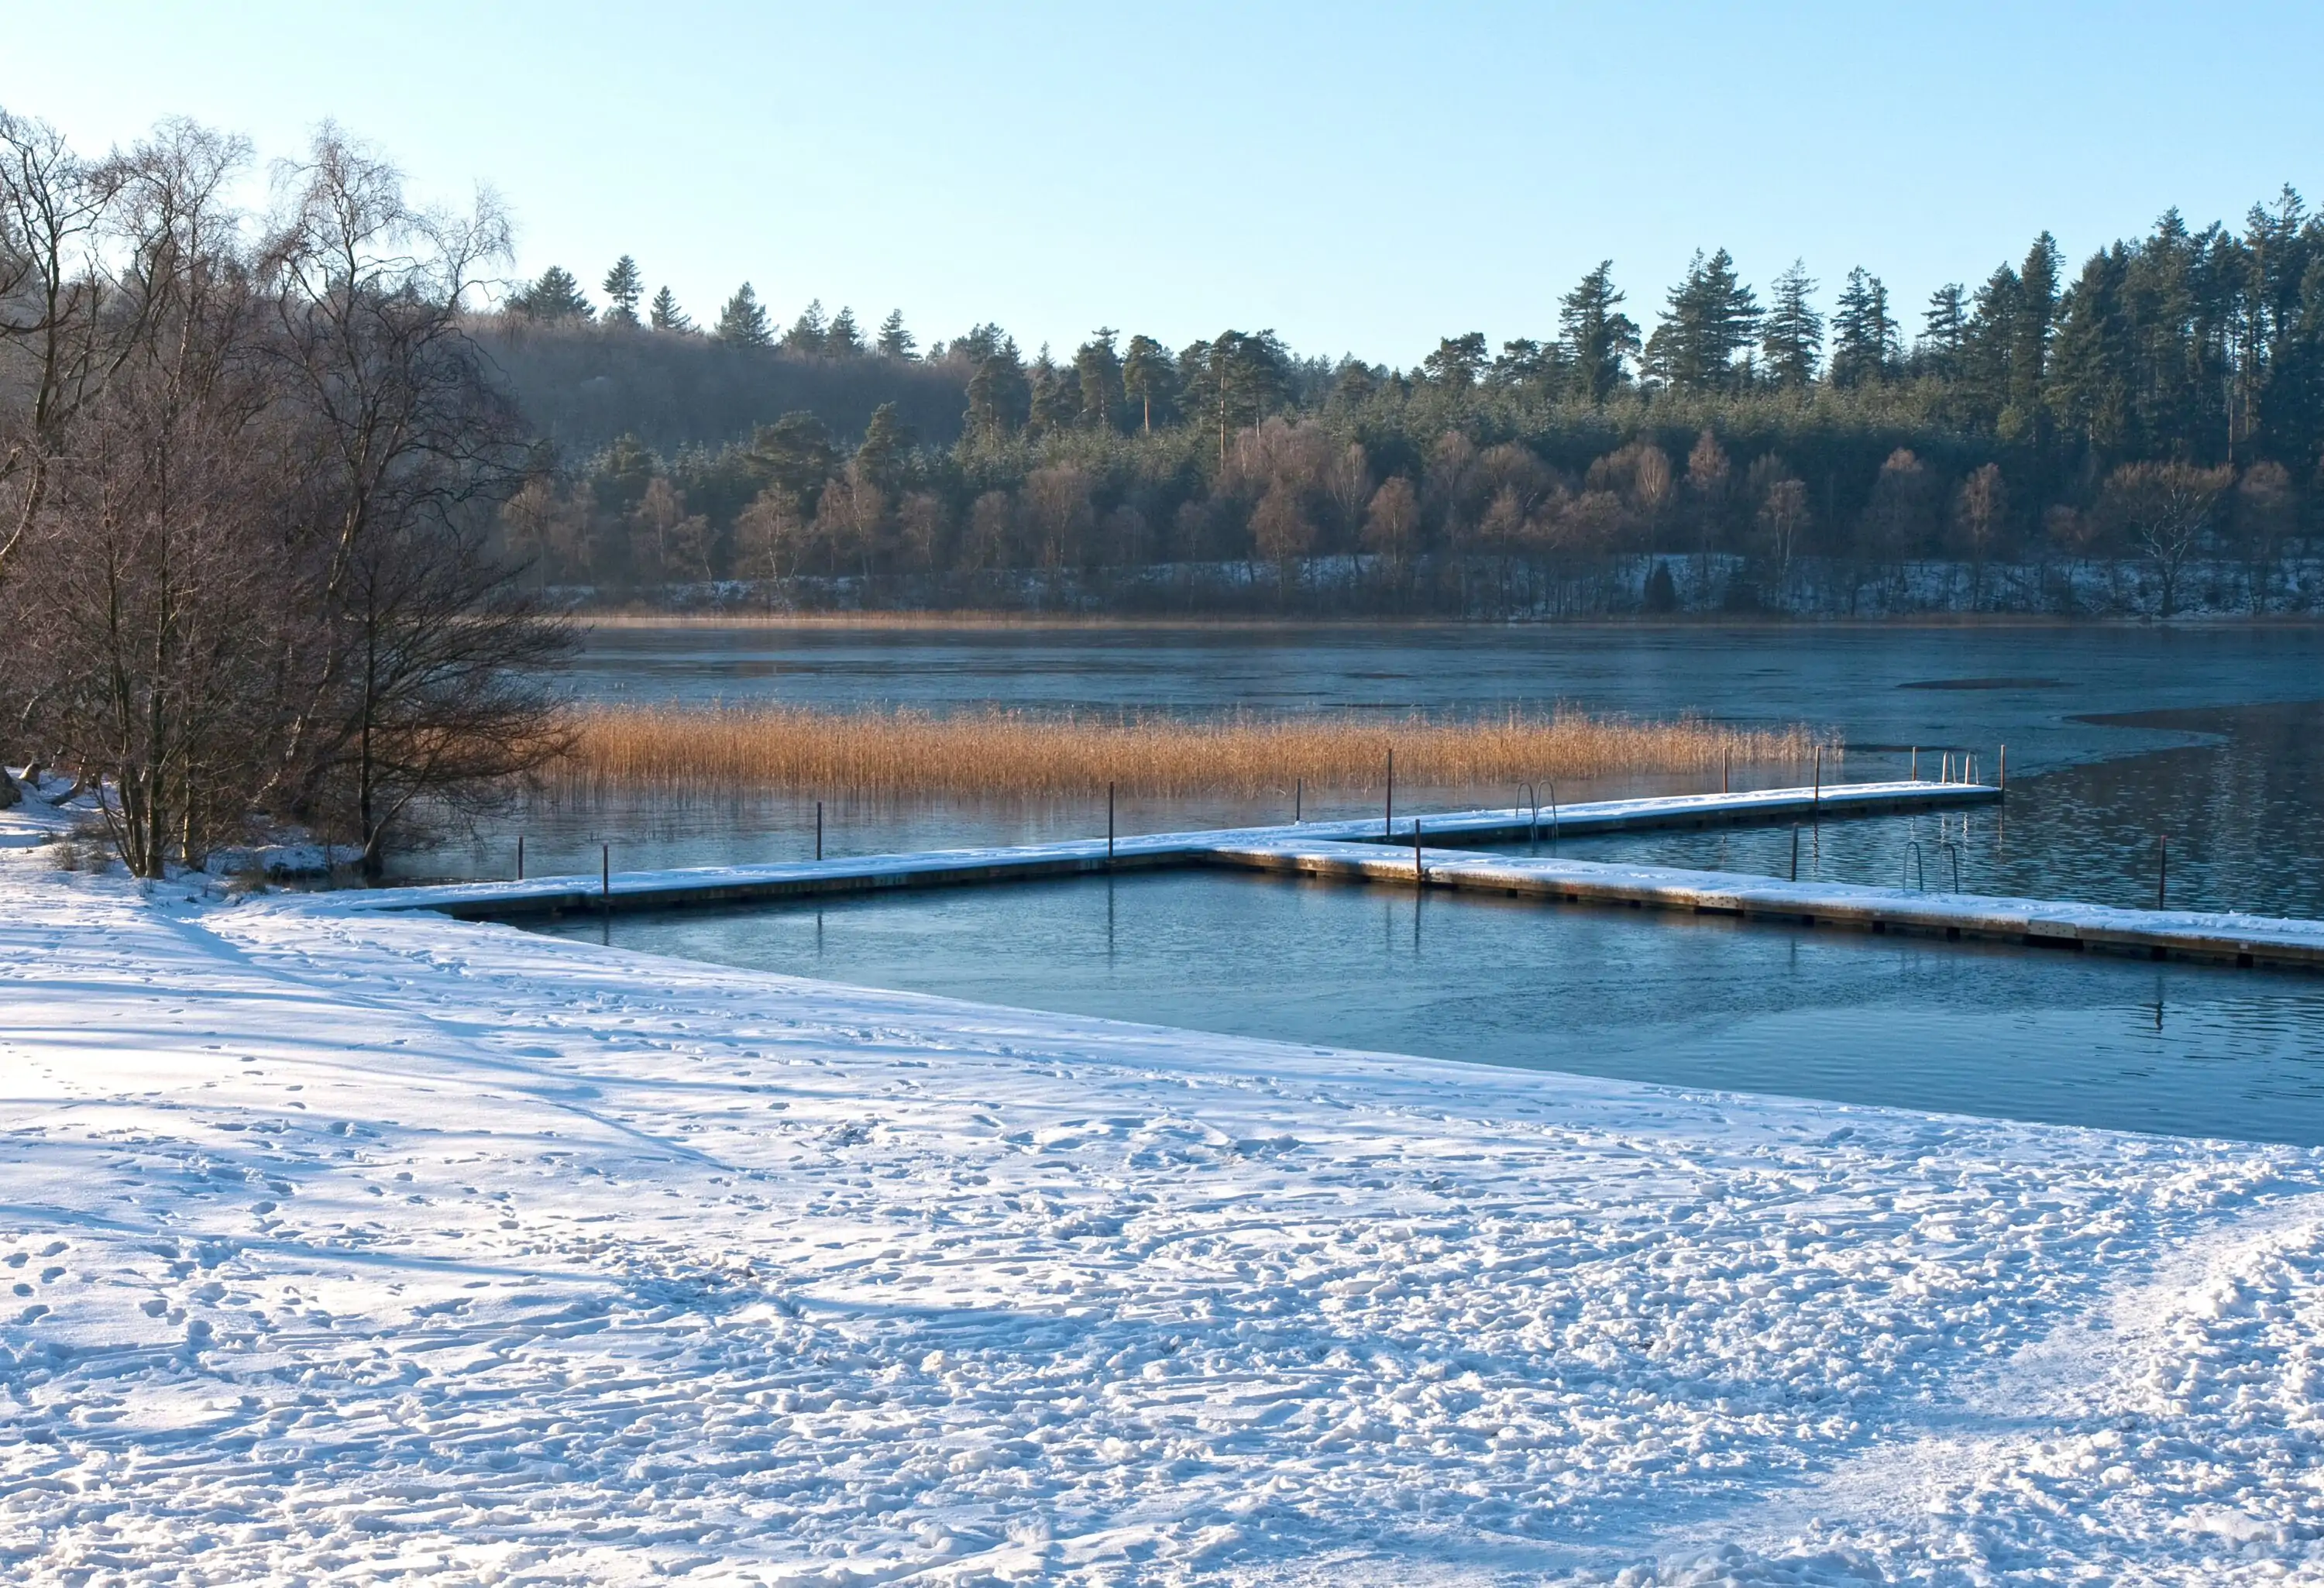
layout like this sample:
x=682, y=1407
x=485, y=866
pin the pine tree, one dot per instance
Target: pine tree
x=1457, y=362
x=1985, y=348
x=1709, y=318
x=623, y=288
x=1524, y=361
x=2095, y=383
x=1052, y=407
x=1097, y=376
x=1944, y=332
x=743, y=323
x=1148, y=378
x=1792, y=339
x=997, y=392
x=1233, y=380
x=1863, y=336
x=2037, y=321
x=555, y=297
x=842, y=340
x=807, y=332
x=895, y=341
x=884, y=458
x=1598, y=337
x=793, y=453
x=664, y=314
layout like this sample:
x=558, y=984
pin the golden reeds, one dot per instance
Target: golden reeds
x=719, y=750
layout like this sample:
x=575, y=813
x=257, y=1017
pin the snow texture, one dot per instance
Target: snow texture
x=346, y=1246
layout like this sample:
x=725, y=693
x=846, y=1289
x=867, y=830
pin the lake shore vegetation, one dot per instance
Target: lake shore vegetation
x=705, y=750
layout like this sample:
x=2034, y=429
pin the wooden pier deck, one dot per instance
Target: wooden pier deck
x=627, y=891
x=2218, y=938
x=1382, y=850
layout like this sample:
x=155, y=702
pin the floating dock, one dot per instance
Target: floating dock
x=2205, y=936
x=1411, y=851
x=742, y=884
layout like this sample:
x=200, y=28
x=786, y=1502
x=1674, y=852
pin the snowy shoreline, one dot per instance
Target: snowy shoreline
x=343, y=1245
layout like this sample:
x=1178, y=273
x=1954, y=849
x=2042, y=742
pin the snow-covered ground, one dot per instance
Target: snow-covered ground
x=345, y=1247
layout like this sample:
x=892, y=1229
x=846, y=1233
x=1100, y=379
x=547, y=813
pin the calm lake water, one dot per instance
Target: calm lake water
x=2118, y=738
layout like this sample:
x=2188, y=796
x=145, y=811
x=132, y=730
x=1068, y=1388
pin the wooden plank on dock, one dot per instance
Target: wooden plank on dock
x=2211, y=937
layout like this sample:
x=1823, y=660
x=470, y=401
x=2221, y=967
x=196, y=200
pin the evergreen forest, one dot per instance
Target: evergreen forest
x=2141, y=433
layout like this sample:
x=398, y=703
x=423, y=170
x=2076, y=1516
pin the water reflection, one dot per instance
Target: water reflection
x=1682, y=1000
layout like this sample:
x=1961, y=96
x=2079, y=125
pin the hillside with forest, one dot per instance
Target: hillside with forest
x=2139, y=434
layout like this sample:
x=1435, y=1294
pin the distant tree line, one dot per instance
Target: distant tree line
x=2164, y=405
x=249, y=472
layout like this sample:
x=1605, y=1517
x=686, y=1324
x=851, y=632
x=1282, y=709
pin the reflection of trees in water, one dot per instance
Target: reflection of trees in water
x=2245, y=827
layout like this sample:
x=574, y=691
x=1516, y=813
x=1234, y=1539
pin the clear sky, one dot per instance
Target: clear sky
x=1360, y=177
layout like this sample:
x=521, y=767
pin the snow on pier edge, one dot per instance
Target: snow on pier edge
x=348, y=1247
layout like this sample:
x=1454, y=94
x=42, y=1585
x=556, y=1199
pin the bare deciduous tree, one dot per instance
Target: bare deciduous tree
x=261, y=481
x=2163, y=509
x=1978, y=508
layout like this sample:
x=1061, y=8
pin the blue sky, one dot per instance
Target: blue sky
x=1360, y=177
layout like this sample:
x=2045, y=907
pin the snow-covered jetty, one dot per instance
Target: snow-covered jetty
x=2247, y=940
x=739, y=884
x=1396, y=850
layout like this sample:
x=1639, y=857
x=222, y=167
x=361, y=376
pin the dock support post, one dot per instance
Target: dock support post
x=1815, y=804
x=2162, y=871
x=1387, y=816
x=605, y=879
x=1795, y=852
x=1916, y=763
x=1298, y=801
x=1416, y=877
x=1726, y=764
x=1108, y=824
x=818, y=829
x=2005, y=769
x=520, y=857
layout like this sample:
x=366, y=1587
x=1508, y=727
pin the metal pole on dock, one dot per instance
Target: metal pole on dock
x=1916, y=763
x=1416, y=878
x=2005, y=769
x=605, y=879
x=1108, y=824
x=1795, y=852
x=1298, y=800
x=520, y=857
x=1387, y=818
x=1725, y=763
x=818, y=829
x=1815, y=804
x=2162, y=871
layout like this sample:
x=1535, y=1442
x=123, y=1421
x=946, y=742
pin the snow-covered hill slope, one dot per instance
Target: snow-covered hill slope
x=344, y=1248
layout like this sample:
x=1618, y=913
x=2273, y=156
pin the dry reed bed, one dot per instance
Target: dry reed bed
x=727, y=749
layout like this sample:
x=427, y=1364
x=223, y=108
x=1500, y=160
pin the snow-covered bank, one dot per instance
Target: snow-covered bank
x=348, y=1245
